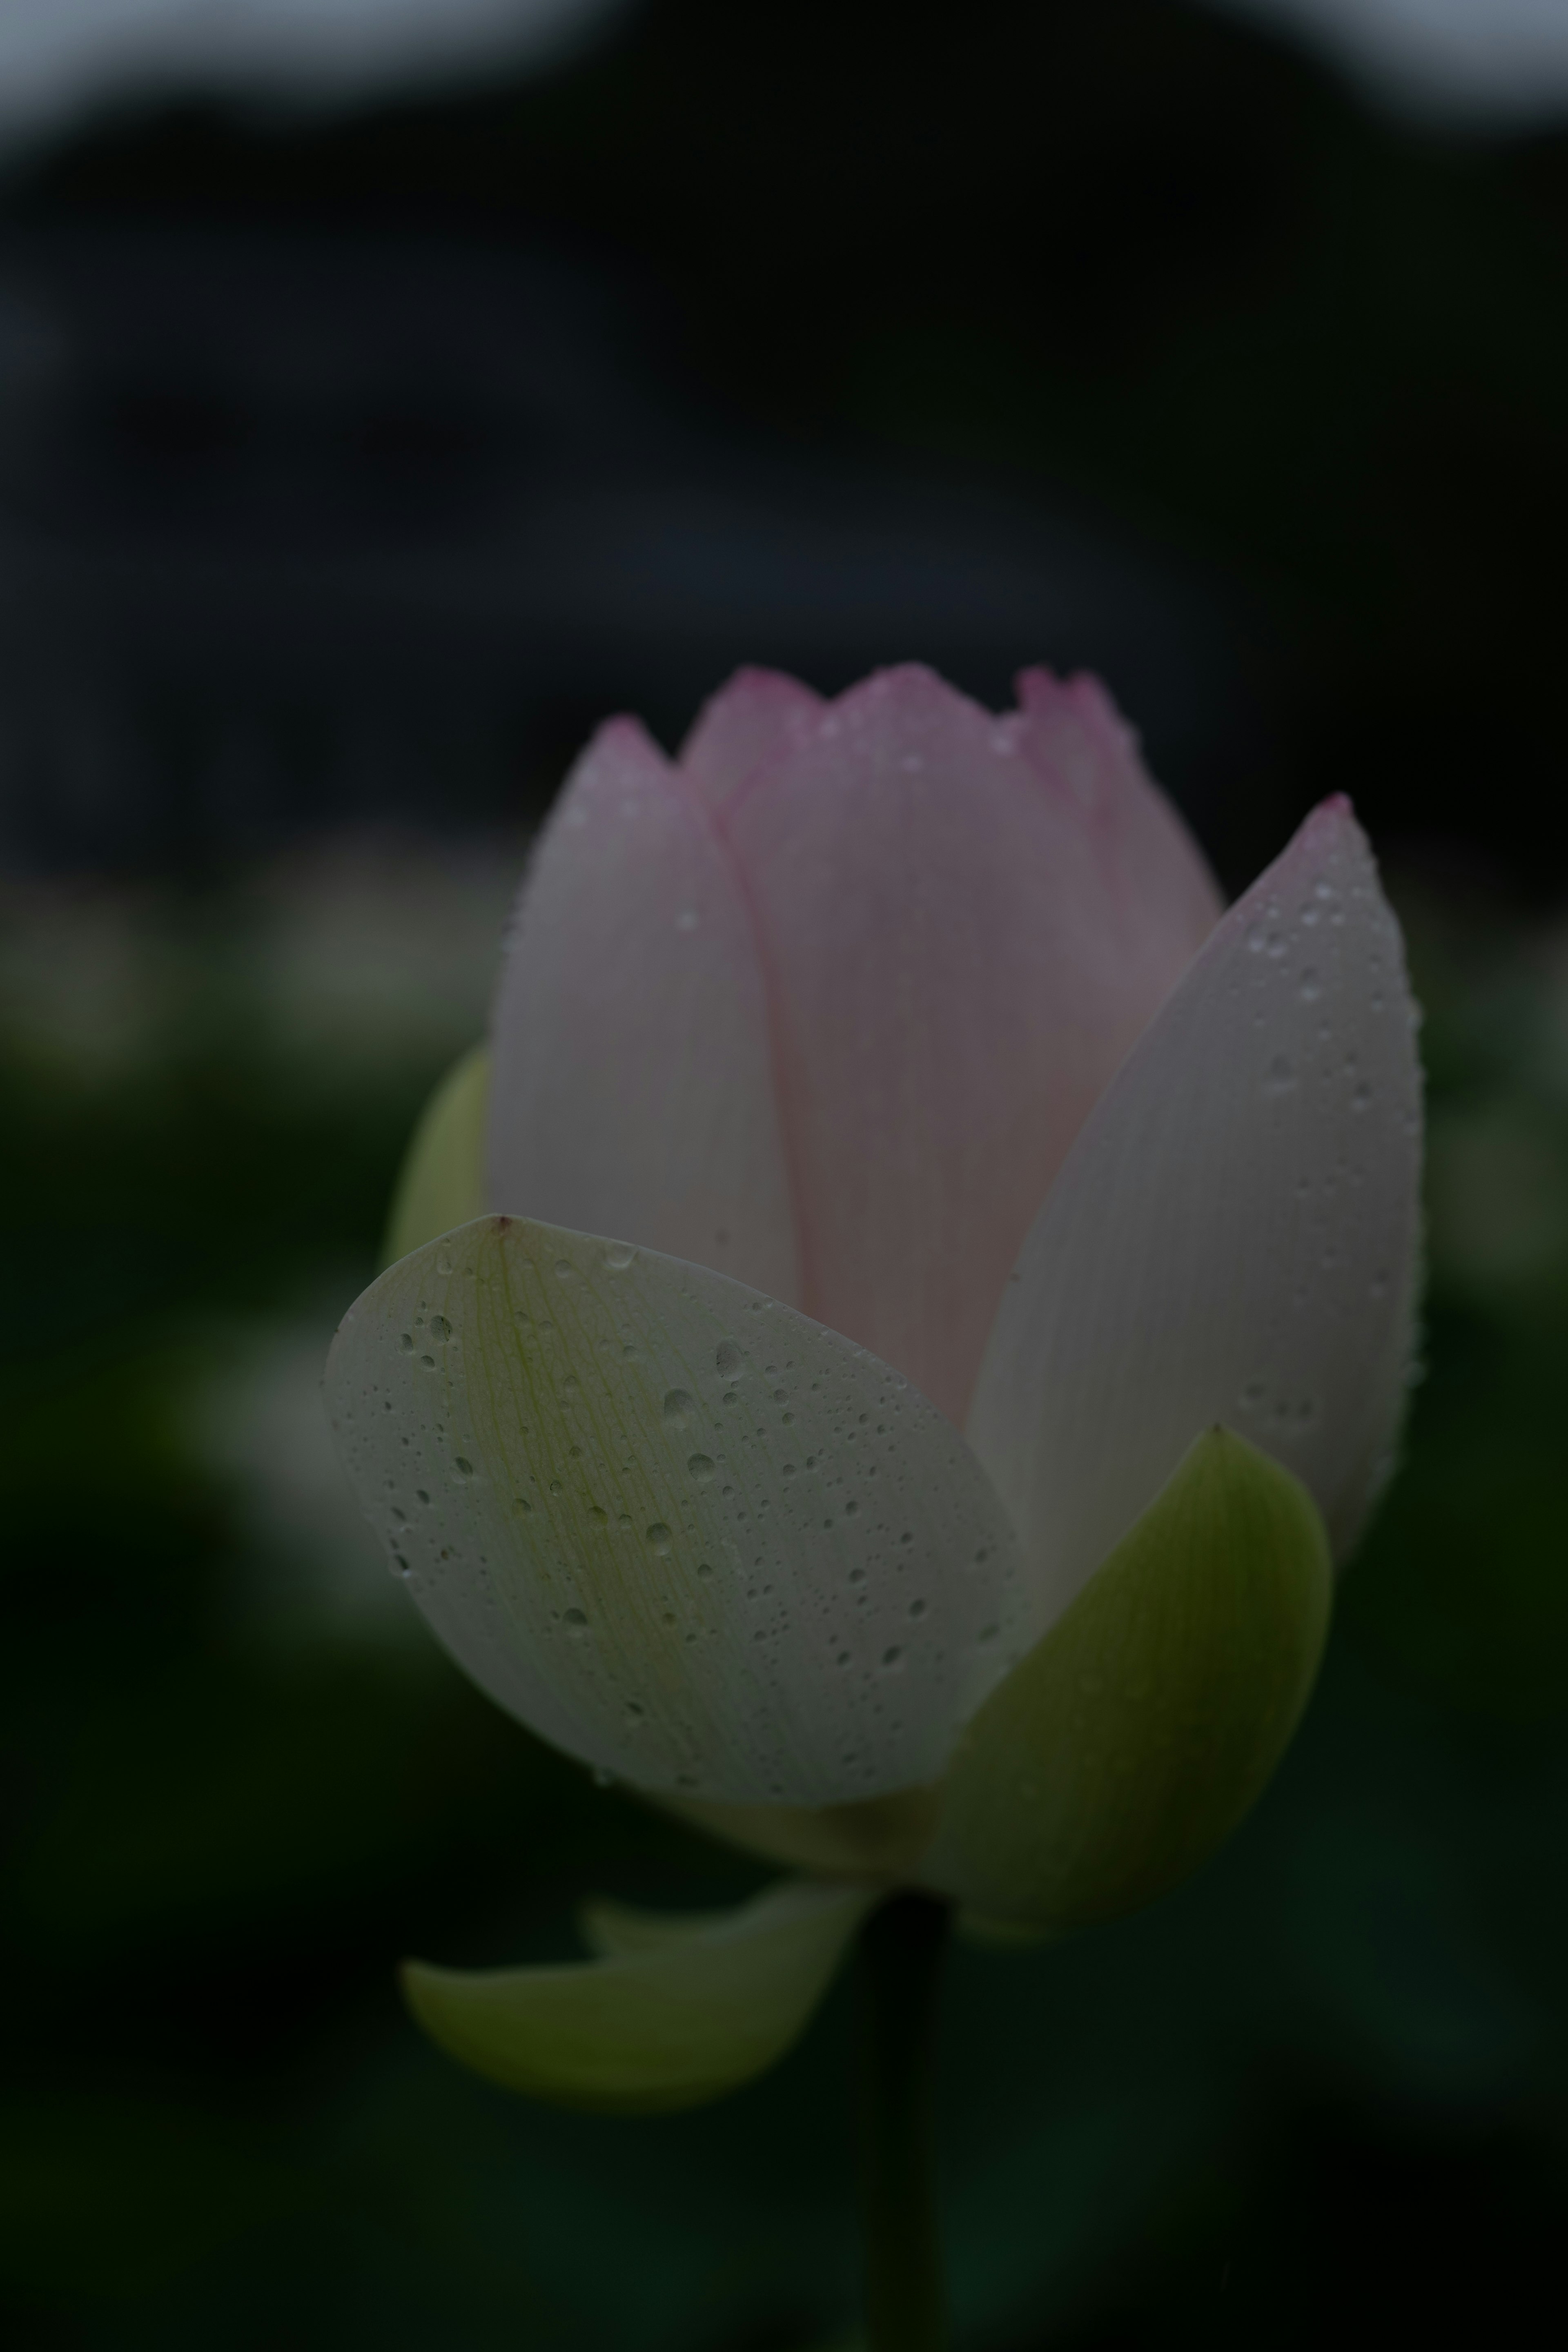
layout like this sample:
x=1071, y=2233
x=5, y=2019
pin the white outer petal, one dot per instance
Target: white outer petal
x=1235, y=1236
x=681, y=1531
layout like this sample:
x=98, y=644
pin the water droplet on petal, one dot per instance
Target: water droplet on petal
x=701, y=1467
x=659, y=1537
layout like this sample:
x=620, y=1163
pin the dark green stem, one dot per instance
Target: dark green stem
x=901, y=1962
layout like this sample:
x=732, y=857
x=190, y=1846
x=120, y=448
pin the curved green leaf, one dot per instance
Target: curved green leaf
x=1140, y=1729
x=441, y=1183
x=680, y=2013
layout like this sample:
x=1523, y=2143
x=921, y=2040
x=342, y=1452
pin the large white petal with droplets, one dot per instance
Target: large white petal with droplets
x=686, y=1534
x=1234, y=1237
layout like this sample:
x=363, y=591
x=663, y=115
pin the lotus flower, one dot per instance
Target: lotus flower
x=882, y=1354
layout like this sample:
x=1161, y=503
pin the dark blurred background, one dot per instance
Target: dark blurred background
x=375, y=417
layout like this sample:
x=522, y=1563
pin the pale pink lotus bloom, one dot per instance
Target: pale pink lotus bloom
x=838, y=989
x=924, y=1031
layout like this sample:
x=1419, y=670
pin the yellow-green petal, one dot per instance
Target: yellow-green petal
x=1139, y=1730
x=694, y=2013
x=441, y=1183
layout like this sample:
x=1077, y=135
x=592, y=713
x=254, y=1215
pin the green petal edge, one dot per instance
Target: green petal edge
x=441, y=1183
x=1139, y=1730
x=623, y=1931
x=682, y=2012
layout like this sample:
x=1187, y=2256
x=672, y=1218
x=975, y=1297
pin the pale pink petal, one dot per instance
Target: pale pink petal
x=632, y=1092
x=963, y=925
x=1077, y=739
x=1234, y=1237
x=759, y=715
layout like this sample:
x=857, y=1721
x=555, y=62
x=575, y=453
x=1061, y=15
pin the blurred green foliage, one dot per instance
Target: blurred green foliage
x=1319, y=2091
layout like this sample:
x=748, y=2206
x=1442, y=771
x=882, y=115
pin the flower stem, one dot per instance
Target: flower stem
x=900, y=1961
